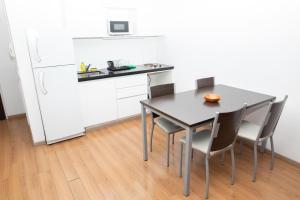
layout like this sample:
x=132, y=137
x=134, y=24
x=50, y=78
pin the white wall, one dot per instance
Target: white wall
x=9, y=81
x=97, y=51
x=249, y=44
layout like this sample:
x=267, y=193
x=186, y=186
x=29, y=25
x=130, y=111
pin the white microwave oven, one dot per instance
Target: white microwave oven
x=119, y=28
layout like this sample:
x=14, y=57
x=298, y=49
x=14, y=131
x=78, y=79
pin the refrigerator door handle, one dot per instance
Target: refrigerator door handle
x=43, y=89
x=38, y=57
x=11, y=51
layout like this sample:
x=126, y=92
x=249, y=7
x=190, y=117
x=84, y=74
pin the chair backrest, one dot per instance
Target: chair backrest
x=225, y=129
x=205, y=82
x=161, y=90
x=272, y=118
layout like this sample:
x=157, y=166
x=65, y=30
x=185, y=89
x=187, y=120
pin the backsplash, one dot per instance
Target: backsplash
x=98, y=51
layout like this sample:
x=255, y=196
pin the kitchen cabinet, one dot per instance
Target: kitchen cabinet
x=130, y=90
x=88, y=18
x=147, y=21
x=85, y=18
x=130, y=106
x=112, y=98
x=98, y=101
x=131, y=81
x=109, y=99
x=120, y=3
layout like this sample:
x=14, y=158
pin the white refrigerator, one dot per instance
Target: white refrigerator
x=52, y=59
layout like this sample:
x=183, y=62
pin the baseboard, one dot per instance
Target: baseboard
x=277, y=155
x=17, y=116
x=102, y=125
x=284, y=158
x=106, y=124
x=39, y=143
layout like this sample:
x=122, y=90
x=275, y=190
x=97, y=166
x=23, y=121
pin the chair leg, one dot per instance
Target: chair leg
x=255, y=163
x=151, y=139
x=273, y=153
x=241, y=147
x=206, y=177
x=173, y=138
x=232, y=166
x=263, y=146
x=192, y=154
x=222, y=158
x=180, y=160
x=168, y=150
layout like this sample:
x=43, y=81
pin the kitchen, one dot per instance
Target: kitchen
x=119, y=90
x=88, y=43
x=86, y=68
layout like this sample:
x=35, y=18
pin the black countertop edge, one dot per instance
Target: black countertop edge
x=138, y=70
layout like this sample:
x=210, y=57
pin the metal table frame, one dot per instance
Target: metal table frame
x=189, y=136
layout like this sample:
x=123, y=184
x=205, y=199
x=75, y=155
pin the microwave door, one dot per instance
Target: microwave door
x=119, y=28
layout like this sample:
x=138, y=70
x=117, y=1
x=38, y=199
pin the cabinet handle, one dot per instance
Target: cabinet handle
x=11, y=50
x=43, y=89
x=39, y=59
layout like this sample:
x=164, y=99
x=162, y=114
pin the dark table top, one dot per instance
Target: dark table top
x=108, y=74
x=190, y=108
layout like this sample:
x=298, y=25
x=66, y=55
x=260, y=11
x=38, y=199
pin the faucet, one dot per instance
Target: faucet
x=87, y=67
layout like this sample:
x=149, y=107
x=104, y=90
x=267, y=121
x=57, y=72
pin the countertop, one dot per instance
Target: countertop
x=108, y=74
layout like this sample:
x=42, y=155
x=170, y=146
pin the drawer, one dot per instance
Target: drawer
x=130, y=106
x=132, y=80
x=131, y=91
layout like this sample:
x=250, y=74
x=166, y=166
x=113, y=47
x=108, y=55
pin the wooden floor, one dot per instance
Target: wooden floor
x=107, y=164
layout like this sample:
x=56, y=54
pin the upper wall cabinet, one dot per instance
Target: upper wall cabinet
x=85, y=18
x=121, y=3
x=147, y=19
x=88, y=18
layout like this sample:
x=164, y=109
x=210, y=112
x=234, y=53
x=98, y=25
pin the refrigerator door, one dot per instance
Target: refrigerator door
x=57, y=89
x=50, y=48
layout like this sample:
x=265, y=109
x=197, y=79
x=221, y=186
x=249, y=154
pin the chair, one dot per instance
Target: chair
x=220, y=139
x=258, y=134
x=205, y=82
x=168, y=127
x=202, y=83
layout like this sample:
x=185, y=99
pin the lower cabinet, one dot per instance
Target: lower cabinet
x=130, y=106
x=130, y=91
x=98, y=101
x=108, y=99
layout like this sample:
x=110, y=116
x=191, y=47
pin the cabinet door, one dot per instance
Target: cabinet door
x=98, y=101
x=85, y=18
x=130, y=106
x=50, y=47
x=121, y=3
x=147, y=22
x=57, y=90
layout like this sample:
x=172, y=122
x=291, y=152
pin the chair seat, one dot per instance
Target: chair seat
x=248, y=131
x=167, y=126
x=200, y=140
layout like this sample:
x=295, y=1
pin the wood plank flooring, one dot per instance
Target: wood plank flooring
x=107, y=164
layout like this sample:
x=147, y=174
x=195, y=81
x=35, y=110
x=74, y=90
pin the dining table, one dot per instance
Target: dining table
x=189, y=110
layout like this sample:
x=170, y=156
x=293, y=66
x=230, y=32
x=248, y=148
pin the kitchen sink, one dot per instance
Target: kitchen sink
x=90, y=74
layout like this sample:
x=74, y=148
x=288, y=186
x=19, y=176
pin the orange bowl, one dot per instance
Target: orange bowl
x=212, y=98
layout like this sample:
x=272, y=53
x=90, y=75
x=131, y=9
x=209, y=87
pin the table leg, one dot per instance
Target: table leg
x=188, y=155
x=144, y=132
